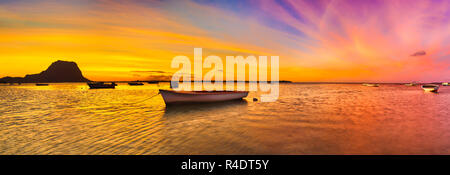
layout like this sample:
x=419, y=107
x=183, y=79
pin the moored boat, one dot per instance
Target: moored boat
x=171, y=96
x=410, y=84
x=445, y=84
x=371, y=85
x=41, y=84
x=430, y=87
x=101, y=85
x=152, y=82
x=135, y=83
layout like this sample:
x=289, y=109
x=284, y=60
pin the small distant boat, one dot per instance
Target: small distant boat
x=135, y=83
x=445, y=84
x=430, y=87
x=101, y=85
x=171, y=96
x=152, y=82
x=41, y=84
x=371, y=85
x=411, y=84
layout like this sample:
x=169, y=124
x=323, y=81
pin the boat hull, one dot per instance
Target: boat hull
x=172, y=97
x=102, y=87
x=430, y=88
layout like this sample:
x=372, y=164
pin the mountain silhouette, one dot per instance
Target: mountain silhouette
x=59, y=71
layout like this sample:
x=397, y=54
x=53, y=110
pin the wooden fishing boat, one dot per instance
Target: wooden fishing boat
x=430, y=87
x=101, y=85
x=445, y=84
x=371, y=85
x=135, y=83
x=41, y=84
x=171, y=96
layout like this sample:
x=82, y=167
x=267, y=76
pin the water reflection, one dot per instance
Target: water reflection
x=306, y=119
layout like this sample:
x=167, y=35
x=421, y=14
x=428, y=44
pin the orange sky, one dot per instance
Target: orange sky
x=316, y=41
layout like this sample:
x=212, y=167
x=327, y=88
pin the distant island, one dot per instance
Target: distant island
x=59, y=71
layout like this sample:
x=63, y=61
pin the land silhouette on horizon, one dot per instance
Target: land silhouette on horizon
x=68, y=71
x=58, y=71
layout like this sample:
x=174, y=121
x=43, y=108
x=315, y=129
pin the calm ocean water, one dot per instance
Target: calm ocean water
x=306, y=119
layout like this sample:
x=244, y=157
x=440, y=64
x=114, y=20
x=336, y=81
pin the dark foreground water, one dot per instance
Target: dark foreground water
x=307, y=119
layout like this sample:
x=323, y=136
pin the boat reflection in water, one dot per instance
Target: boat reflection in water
x=176, y=97
x=101, y=85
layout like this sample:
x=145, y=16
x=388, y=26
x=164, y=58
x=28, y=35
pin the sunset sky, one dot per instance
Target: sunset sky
x=316, y=40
